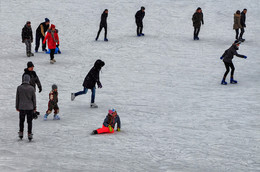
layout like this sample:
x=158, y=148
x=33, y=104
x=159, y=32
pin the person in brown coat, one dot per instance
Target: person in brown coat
x=237, y=24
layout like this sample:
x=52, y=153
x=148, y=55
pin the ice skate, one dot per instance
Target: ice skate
x=94, y=132
x=52, y=62
x=30, y=136
x=232, y=81
x=45, y=117
x=73, y=96
x=93, y=105
x=28, y=54
x=56, y=117
x=31, y=54
x=106, y=39
x=20, y=134
x=223, y=82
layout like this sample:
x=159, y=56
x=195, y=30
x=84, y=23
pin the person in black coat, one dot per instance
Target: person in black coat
x=27, y=38
x=34, y=78
x=103, y=24
x=40, y=34
x=90, y=82
x=243, y=24
x=197, y=20
x=227, y=59
x=139, y=16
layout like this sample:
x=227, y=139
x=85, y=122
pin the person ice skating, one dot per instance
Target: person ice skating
x=90, y=81
x=103, y=24
x=237, y=25
x=40, y=34
x=227, y=59
x=53, y=103
x=243, y=24
x=27, y=38
x=34, y=78
x=25, y=105
x=139, y=16
x=197, y=20
x=109, y=123
x=53, y=41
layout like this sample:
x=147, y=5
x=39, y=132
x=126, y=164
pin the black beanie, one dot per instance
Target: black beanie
x=30, y=64
x=142, y=8
x=54, y=86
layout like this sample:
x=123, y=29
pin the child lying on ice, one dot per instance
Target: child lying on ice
x=109, y=123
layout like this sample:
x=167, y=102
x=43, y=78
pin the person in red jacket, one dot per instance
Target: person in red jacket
x=53, y=41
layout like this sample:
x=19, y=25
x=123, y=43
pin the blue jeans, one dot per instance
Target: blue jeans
x=85, y=90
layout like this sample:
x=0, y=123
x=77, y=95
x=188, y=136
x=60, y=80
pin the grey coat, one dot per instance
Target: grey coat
x=25, y=97
x=229, y=54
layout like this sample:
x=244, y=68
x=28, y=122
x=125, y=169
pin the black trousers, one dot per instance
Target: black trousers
x=139, y=29
x=29, y=114
x=37, y=42
x=229, y=65
x=196, y=32
x=242, y=32
x=237, y=33
x=52, y=51
x=100, y=28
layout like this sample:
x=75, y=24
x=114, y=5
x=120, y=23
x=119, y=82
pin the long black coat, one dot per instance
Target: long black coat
x=139, y=17
x=243, y=19
x=27, y=33
x=34, y=78
x=229, y=54
x=93, y=75
x=103, y=21
x=197, y=19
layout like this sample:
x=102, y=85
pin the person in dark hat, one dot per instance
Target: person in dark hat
x=227, y=59
x=90, y=82
x=34, y=78
x=25, y=105
x=53, y=103
x=103, y=24
x=243, y=24
x=40, y=34
x=197, y=20
x=139, y=16
x=27, y=38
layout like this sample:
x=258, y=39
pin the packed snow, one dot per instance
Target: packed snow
x=175, y=114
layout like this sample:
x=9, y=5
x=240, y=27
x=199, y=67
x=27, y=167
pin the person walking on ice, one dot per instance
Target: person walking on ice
x=27, y=38
x=139, y=16
x=53, y=103
x=197, y=20
x=90, y=82
x=109, y=123
x=227, y=59
x=103, y=24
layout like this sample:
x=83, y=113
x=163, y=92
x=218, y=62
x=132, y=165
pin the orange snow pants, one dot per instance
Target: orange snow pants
x=104, y=130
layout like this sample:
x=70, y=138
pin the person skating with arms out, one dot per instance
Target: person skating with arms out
x=109, y=123
x=227, y=59
x=90, y=82
x=53, y=103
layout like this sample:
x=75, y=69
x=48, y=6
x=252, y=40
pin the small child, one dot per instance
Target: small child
x=53, y=103
x=109, y=123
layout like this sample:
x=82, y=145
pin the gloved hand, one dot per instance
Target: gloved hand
x=118, y=129
x=110, y=128
x=99, y=84
x=40, y=89
x=221, y=58
x=245, y=57
x=57, y=45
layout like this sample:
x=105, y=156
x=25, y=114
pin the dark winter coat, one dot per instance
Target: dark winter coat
x=229, y=54
x=197, y=19
x=27, y=33
x=243, y=19
x=25, y=97
x=139, y=17
x=34, y=78
x=42, y=28
x=103, y=21
x=93, y=75
x=110, y=120
x=237, y=24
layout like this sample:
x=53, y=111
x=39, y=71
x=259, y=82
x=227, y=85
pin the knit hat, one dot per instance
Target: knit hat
x=198, y=8
x=52, y=26
x=26, y=78
x=47, y=20
x=54, y=86
x=30, y=64
x=112, y=112
x=142, y=8
x=28, y=22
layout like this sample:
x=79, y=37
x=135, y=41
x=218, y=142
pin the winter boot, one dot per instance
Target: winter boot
x=36, y=51
x=31, y=54
x=139, y=35
x=94, y=132
x=52, y=62
x=93, y=105
x=106, y=39
x=142, y=34
x=20, y=134
x=223, y=82
x=232, y=81
x=45, y=117
x=56, y=117
x=30, y=136
x=73, y=96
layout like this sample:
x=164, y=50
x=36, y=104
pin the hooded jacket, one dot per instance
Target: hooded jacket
x=93, y=75
x=34, y=78
x=139, y=16
x=25, y=97
x=197, y=19
x=103, y=21
x=229, y=54
x=27, y=33
x=53, y=38
x=237, y=24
